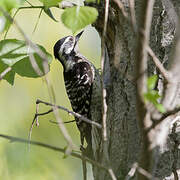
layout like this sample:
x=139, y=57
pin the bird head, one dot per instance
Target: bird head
x=65, y=47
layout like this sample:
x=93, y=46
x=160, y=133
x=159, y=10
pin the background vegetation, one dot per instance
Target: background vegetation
x=17, y=105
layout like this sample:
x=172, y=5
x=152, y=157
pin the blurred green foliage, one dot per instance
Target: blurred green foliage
x=152, y=95
x=17, y=107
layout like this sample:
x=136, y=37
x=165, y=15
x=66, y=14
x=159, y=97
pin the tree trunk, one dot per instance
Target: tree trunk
x=124, y=138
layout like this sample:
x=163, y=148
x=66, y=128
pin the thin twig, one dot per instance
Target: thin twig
x=132, y=171
x=146, y=173
x=84, y=167
x=171, y=95
x=163, y=71
x=5, y=72
x=104, y=112
x=104, y=104
x=32, y=124
x=163, y=116
x=111, y=173
x=46, y=70
x=37, y=22
x=35, y=65
x=65, y=122
x=31, y=7
x=145, y=19
x=64, y=131
x=174, y=138
x=71, y=112
x=55, y=148
x=121, y=7
x=135, y=168
x=28, y=2
x=133, y=15
x=35, y=119
x=5, y=35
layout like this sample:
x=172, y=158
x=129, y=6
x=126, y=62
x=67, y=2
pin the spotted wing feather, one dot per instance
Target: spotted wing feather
x=78, y=82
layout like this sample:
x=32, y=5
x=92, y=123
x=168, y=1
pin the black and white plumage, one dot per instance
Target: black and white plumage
x=79, y=76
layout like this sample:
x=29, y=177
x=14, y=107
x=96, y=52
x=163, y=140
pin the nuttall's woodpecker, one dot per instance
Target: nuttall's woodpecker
x=79, y=76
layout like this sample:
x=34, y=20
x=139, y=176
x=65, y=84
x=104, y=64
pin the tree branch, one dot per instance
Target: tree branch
x=167, y=75
x=62, y=150
x=48, y=83
x=121, y=7
x=174, y=138
x=135, y=168
x=105, y=155
x=55, y=148
x=70, y=112
x=143, y=117
x=171, y=98
x=133, y=15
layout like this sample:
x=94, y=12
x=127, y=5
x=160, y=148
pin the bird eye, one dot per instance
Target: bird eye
x=71, y=38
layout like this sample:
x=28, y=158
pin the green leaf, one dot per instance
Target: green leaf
x=160, y=108
x=76, y=18
x=50, y=3
x=24, y=67
x=151, y=82
x=15, y=53
x=49, y=13
x=12, y=50
x=9, y=77
x=153, y=96
x=150, y=97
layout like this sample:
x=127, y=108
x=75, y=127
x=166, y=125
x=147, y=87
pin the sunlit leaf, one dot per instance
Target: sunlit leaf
x=76, y=18
x=151, y=83
x=24, y=67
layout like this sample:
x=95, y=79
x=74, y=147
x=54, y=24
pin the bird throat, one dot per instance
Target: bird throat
x=68, y=65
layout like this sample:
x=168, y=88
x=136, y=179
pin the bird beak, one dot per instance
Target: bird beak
x=78, y=36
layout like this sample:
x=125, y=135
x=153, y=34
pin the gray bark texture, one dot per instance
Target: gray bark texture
x=124, y=137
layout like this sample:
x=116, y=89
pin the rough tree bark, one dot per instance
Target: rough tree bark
x=124, y=138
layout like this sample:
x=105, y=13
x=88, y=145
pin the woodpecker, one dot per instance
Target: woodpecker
x=79, y=75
